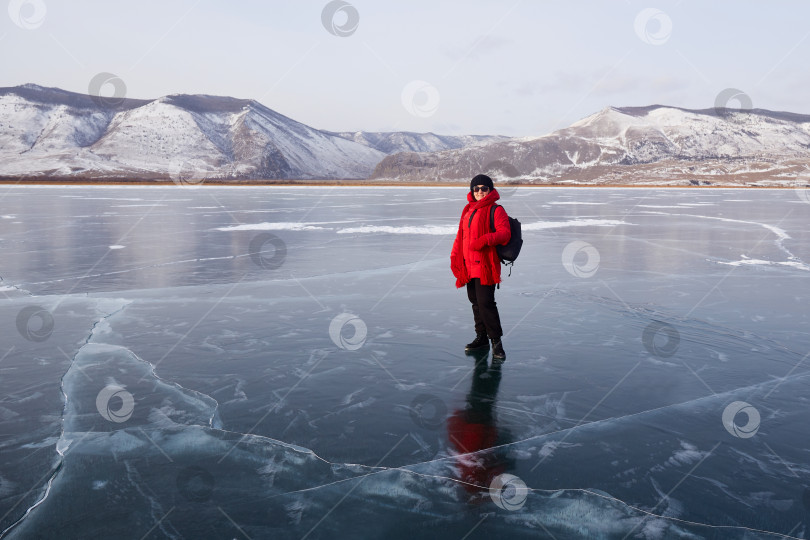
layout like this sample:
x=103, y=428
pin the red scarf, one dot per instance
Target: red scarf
x=490, y=263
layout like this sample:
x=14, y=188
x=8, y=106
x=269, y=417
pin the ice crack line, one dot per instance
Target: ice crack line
x=214, y=420
x=550, y=492
x=407, y=469
x=62, y=446
x=13, y=287
x=781, y=234
x=691, y=326
x=155, y=508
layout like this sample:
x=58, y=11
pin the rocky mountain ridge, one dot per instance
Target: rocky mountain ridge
x=48, y=132
x=654, y=144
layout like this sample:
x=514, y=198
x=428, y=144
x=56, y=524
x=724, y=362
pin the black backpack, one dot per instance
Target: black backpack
x=508, y=252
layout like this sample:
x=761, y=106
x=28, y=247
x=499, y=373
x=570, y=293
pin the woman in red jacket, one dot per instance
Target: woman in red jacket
x=475, y=262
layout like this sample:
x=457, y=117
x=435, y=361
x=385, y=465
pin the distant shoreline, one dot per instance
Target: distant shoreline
x=355, y=183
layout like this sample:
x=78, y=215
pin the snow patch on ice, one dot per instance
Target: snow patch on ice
x=541, y=225
x=576, y=202
x=549, y=448
x=686, y=455
x=279, y=226
x=759, y=262
x=424, y=229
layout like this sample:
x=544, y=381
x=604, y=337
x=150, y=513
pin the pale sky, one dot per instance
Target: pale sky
x=517, y=68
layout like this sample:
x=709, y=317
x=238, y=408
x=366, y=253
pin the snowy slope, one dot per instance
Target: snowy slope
x=48, y=132
x=653, y=140
x=407, y=141
x=52, y=132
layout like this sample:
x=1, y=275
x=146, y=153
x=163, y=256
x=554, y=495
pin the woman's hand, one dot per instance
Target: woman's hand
x=479, y=243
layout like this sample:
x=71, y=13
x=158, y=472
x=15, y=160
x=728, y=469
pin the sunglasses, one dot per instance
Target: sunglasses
x=481, y=188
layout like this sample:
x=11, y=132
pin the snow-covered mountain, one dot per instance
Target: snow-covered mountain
x=408, y=141
x=653, y=144
x=48, y=132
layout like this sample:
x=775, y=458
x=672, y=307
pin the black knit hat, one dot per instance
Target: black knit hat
x=482, y=180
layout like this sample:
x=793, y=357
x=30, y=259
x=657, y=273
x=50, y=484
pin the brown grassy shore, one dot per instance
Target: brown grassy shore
x=288, y=182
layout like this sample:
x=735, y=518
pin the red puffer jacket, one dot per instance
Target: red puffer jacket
x=474, y=252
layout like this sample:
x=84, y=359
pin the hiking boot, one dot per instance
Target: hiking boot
x=479, y=342
x=497, y=350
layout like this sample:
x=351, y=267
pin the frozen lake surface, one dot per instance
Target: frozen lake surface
x=289, y=363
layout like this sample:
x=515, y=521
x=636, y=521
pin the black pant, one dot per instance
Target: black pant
x=485, y=311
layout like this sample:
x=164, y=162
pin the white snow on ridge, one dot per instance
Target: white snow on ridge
x=192, y=136
x=310, y=152
x=209, y=137
x=153, y=136
x=655, y=145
